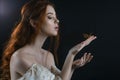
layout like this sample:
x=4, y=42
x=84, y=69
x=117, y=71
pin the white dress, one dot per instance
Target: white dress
x=39, y=72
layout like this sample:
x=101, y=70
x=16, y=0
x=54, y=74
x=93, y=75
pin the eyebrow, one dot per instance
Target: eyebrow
x=49, y=13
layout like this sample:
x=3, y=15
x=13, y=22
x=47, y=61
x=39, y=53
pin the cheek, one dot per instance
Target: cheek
x=49, y=25
x=49, y=22
x=47, y=28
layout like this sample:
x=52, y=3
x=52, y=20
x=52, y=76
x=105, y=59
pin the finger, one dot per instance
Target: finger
x=77, y=61
x=91, y=57
x=88, y=56
x=84, y=57
x=82, y=63
x=91, y=38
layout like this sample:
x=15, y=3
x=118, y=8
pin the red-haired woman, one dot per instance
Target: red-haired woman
x=25, y=59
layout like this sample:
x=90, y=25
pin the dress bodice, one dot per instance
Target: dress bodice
x=39, y=72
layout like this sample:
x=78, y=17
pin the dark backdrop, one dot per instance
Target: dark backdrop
x=100, y=17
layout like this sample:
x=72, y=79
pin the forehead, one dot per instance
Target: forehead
x=50, y=10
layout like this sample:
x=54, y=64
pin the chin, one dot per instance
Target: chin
x=54, y=34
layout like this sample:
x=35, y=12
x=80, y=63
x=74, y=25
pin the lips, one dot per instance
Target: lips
x=57, y=28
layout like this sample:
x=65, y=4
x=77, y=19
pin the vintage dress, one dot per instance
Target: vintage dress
x=39, y=72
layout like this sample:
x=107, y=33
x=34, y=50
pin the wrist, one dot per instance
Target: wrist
x=73, y=53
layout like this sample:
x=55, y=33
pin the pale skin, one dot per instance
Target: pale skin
x=24, y=57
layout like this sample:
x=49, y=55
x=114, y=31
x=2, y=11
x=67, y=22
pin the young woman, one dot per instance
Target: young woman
x=25, y=59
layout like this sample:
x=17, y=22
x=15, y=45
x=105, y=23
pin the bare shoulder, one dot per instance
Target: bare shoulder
x=20, y=62
x=15, y=66
x=50, y=59
x=17, y=57
x=13, y=63
x=51, y=63
x=49, y=54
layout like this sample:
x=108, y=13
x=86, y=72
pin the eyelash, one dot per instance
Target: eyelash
x=50, y=17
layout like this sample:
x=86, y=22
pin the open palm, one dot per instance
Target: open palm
x=87, y=57
x=81, y=45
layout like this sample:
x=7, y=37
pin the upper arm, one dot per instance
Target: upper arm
x=50, y=59
x=18, y=66
x=13, y=68
x=52, y=65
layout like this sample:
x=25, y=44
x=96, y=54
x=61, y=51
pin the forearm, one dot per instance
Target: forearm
x=66, y=72
x=71, y=74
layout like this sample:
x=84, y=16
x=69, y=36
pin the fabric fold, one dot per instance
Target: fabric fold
x=39, y=72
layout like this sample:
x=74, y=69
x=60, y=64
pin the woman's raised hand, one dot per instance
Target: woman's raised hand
x=81, y=45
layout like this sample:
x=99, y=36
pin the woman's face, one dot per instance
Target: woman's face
x=50, y=25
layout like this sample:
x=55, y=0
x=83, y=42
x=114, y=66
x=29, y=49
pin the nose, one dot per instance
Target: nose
x=57, y=21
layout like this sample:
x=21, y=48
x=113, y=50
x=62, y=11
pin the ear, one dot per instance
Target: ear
x=33, y=23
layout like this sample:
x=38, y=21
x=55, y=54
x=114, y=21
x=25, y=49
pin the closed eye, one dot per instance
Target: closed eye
x=53, y=19
x=50, y=17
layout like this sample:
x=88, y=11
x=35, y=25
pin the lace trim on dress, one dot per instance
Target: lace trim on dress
x=39, y=72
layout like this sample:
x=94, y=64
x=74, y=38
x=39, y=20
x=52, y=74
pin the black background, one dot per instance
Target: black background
x=100, y=17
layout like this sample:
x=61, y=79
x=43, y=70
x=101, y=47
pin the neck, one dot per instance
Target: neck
x=39, y=41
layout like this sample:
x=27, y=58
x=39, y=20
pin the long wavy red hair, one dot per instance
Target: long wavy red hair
x=24, y=33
